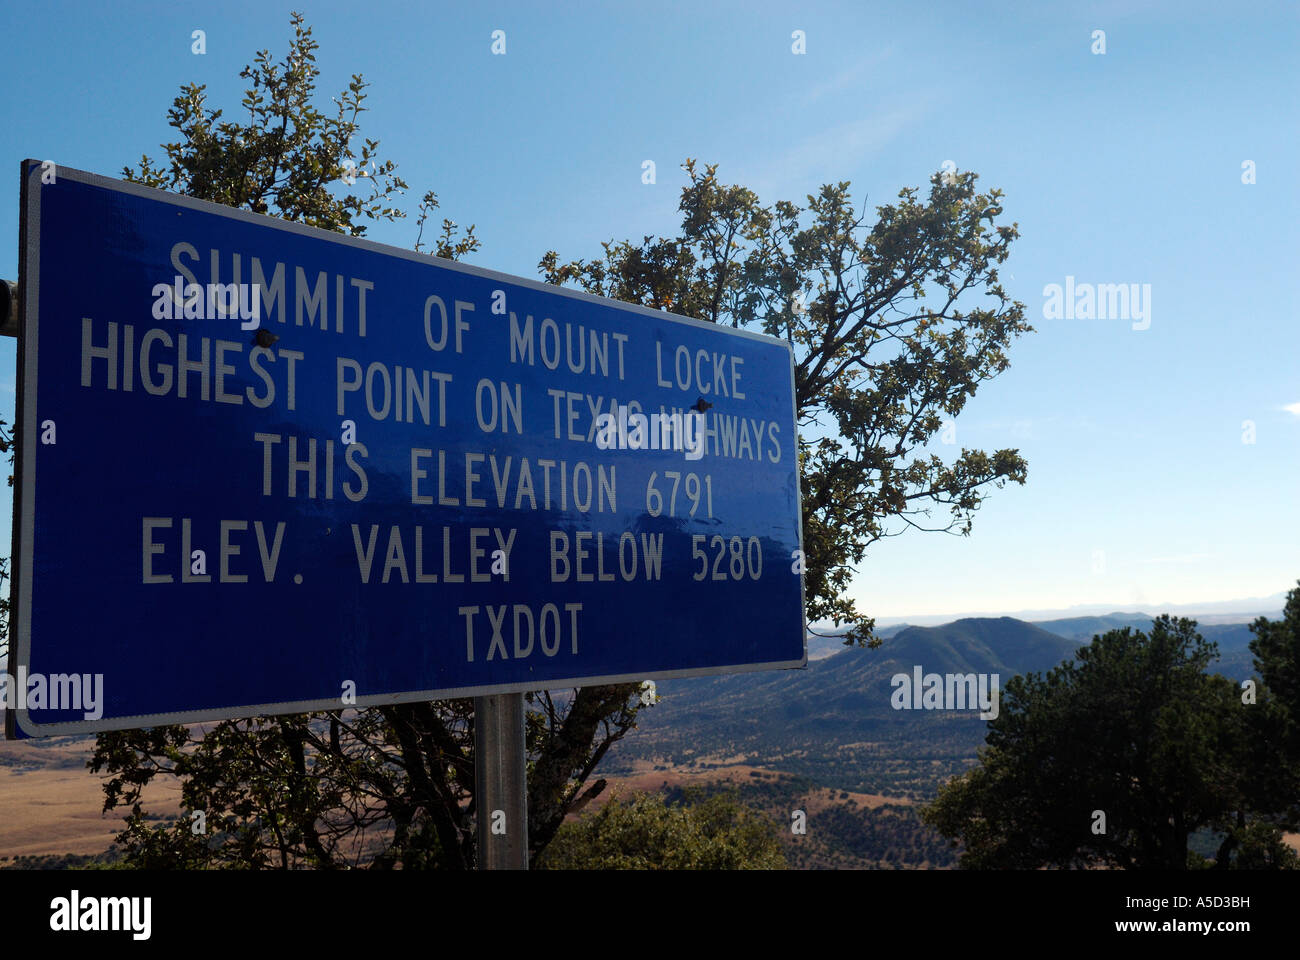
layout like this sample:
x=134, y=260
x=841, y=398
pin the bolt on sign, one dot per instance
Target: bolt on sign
x=265, y=468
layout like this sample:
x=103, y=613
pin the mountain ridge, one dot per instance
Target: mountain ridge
x=834, y=722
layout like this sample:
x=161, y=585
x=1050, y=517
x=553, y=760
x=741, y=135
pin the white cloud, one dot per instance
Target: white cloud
x=830, y=154
x=855, y=75
x=1292, y=408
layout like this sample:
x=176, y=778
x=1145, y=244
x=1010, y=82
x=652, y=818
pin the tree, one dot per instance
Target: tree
x=886, y=346
x=883, y=350
x=649, y=833
x=384, y=786
x=1276, y=730
x=1114, y=758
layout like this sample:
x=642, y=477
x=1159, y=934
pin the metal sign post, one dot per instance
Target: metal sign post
x=501, y=782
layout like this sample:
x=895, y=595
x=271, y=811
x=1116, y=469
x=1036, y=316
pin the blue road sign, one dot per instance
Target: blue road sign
x=265, y=468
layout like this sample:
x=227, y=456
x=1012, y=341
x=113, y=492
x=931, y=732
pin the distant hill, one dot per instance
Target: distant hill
x=1231, y=632
x=833, y=722
x=1235, y=659
x=1083, y=629
x=822, y=645
x=1215, y=611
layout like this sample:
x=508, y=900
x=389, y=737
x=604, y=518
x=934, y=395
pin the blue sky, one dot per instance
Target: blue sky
x=1123, y=167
